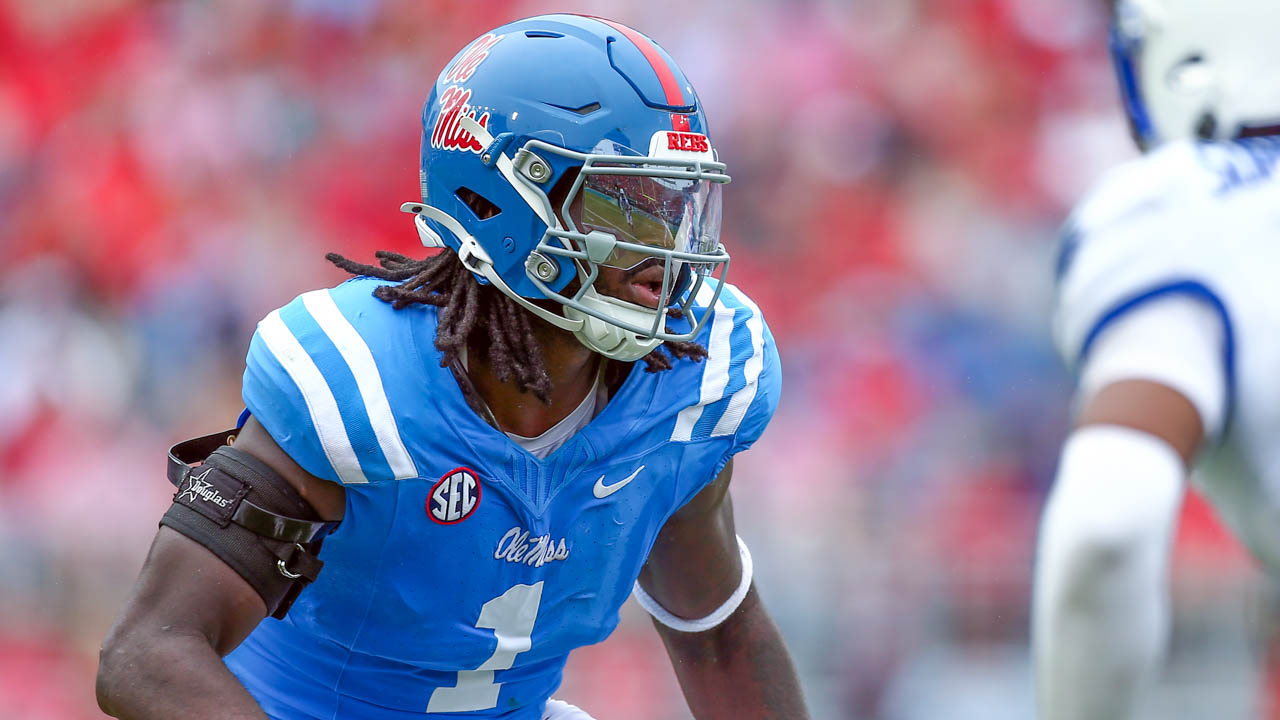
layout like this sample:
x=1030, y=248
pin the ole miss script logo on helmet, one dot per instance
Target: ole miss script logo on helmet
x=454, y=497
x=455, y=100
x=471, y=59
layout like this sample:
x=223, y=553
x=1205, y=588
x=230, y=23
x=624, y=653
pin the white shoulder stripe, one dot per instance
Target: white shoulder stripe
x=715, y=376
x=360, y=360
x=741, y=400
x=316, y=393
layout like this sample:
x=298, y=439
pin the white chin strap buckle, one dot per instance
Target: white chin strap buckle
x=608, y=339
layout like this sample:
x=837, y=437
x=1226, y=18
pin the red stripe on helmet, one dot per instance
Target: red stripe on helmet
x=670, y=86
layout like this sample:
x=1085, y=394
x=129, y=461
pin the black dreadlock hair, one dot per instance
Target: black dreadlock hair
x=480, y=317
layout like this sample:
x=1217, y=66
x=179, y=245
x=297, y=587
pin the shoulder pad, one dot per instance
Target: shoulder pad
x=1140, y=235
x=314, y=383
x=735, y=391
x=1142, y=185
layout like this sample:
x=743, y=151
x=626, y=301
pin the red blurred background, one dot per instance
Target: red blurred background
x=170, y=171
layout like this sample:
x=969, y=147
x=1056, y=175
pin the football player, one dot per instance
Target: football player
x=1168, y=311
x=498, y=444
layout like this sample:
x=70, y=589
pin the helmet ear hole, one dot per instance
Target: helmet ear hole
x=478, y=204
x=1207, y=126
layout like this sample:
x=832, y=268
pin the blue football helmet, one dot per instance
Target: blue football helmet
x=559, y=144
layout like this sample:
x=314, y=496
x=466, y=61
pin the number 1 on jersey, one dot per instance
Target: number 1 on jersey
x=511, y=616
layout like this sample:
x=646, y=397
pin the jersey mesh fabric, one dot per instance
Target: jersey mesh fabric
x=409, y=607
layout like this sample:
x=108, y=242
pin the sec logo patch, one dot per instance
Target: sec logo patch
x=454, y=497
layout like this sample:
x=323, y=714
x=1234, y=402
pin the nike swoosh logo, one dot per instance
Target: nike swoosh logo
x=603, y=491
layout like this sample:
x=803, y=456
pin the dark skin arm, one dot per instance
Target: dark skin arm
x=163, y=657
x=1150, y=407
x=739, y=670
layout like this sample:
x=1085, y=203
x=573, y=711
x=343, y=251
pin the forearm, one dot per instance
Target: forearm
x=740, y=670
x=171, y=677
x=1100, y=613
x=1099, y=639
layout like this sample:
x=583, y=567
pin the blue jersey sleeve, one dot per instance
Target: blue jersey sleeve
x=735, y=390
x=734, y=394
x=765, y=402
x=315, y=385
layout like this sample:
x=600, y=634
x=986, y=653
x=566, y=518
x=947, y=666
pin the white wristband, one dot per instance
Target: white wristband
x=717, y=616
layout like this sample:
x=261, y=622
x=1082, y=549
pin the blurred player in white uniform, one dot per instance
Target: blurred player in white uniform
x=1169, y=313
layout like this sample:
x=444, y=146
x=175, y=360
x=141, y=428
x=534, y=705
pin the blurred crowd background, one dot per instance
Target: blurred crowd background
x=172, y=170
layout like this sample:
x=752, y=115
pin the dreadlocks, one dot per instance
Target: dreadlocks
x=480, y=317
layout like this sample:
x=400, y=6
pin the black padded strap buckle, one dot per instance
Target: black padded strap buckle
x=295, y=562
x=277, y=554
x=194, y=487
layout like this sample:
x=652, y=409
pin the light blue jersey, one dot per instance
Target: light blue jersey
x=466, y=569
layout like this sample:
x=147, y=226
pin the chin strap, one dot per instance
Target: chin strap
x=600, y=336
x=717, y=616
x=606, y=338
x=475, y=259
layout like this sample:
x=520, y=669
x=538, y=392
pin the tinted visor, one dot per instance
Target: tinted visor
x=649, y=212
